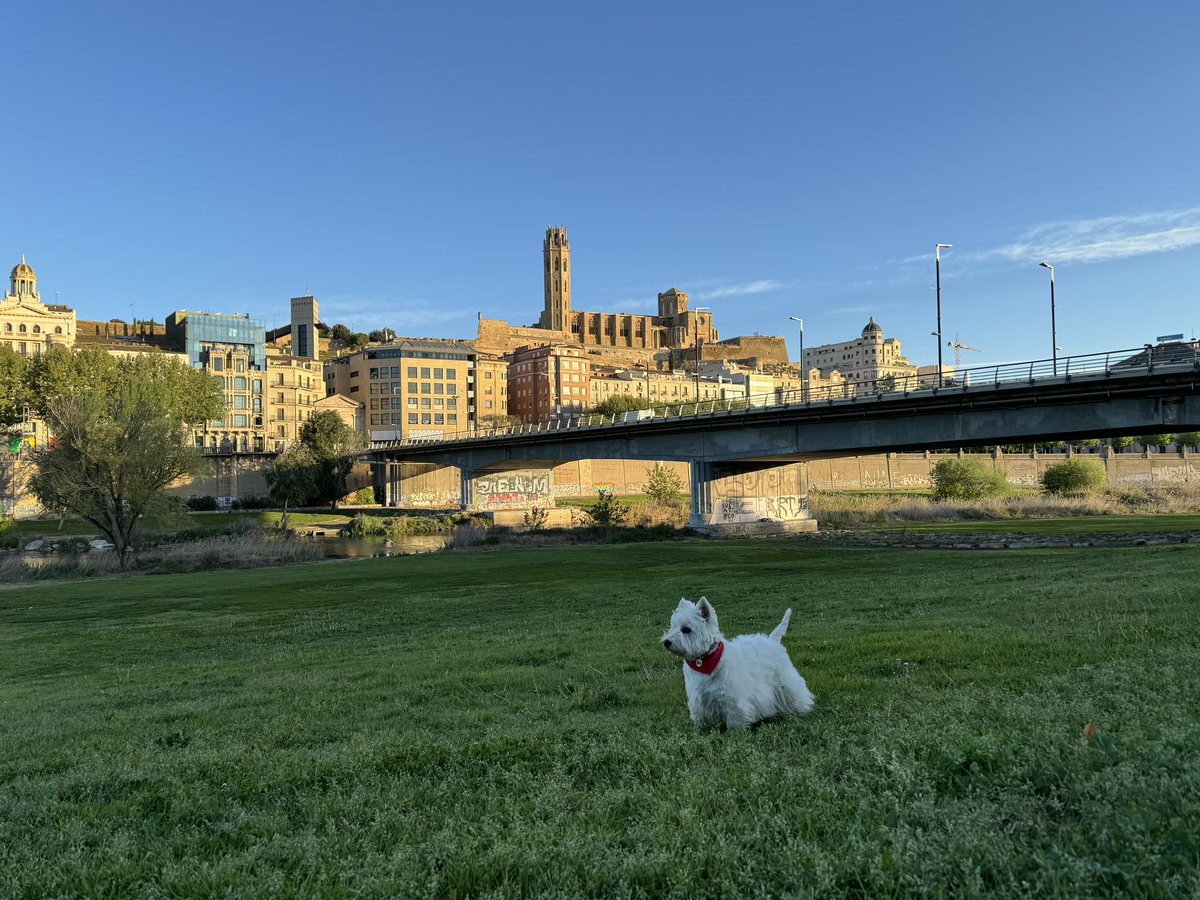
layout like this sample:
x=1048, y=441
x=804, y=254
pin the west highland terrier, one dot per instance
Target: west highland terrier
x=739, y=681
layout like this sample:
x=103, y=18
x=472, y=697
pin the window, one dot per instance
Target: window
x=412, y=418
x=425, y=403
x=452, y=419
x=426, y=419
x=438, y=387
x=424, y=373
x=239, y=383
x=218, y=365
x=437, y=374
x=439, y=419
x=22, y=328
x=412, y=387
x=412, y=371
x=425, y=387
x=451, y=374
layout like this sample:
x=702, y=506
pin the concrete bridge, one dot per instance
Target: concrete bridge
x=748, y=464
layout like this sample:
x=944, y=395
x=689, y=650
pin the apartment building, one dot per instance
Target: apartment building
x=547, y=382
x=653, y=387
x=294, y=385
x=410, y=387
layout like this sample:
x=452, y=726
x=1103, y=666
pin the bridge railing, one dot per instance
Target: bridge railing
x=1138, y=361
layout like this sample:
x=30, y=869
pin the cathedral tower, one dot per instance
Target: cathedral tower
x=556, y=254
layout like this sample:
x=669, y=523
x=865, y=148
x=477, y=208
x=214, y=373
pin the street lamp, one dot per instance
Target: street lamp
x=803, y=373
x=1053, y=327
x=699, y=346
x=937, y=262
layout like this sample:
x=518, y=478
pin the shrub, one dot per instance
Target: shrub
x=202, y=504
x=608, y=511
x=364, y=496
x=535, y=518
x=663, y=484
x=968, y=478
x=1075, y=477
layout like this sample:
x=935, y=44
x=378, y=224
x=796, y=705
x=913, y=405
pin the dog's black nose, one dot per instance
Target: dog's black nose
x=667, y=644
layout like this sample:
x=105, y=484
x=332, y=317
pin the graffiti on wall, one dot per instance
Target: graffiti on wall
x=732, y=510
x=512, y=490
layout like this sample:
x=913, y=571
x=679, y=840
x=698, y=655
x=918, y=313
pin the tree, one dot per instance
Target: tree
x=1075, y=477
x=620, y=403
x=115, y=451
x=341, y=333
x=1121, y=443
x=966, y=479
x=1158, y=441
x=1189, y=439
x=663, y=484
x=292, y=479
x=14, y=386
x=334, y=446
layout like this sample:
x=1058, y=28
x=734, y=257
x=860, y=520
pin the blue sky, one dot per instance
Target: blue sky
x=402, y=161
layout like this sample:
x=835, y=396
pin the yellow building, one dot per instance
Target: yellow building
x=294, y=385
x=410, y=388
x=26, y=324
x=653, y=387
x=491, y=383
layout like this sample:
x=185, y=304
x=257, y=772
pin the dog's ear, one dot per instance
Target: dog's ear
x=704, y=608
x=684, y=603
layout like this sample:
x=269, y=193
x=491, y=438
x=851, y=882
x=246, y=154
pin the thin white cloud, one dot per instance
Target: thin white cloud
x=1102, y=239
x=761, y=286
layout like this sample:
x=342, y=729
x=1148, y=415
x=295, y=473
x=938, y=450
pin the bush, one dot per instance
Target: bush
x=968, y=478
x=535, y=518
x=1075, y=478
x=364, y=496
x=202, y=504
x=608, y=511
x=252, y=503
x=663, y=484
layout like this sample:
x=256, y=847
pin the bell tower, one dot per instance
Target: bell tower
x=556, y=257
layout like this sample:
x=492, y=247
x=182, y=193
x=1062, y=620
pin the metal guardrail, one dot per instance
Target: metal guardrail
x=1134, y=362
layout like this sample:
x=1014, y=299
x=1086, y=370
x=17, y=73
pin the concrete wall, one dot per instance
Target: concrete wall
x=898, y=471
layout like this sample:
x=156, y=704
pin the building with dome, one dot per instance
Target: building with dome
x=865, y=361
x=26, y=324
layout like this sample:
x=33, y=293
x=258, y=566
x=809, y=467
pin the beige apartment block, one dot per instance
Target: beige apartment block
x=864, y=361
x=294, y=386
x=491, y=383
x=654, y=387
x=547, y=382
x=410, y=388
x=26, y=324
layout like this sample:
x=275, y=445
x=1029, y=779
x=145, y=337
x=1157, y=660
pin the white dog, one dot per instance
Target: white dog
x=739, y=681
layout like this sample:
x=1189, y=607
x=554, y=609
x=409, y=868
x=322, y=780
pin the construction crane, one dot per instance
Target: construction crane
x=958, y=349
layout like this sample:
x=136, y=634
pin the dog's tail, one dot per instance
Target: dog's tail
x=781, y=628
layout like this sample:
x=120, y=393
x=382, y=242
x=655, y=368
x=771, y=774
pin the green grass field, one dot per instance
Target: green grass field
x=506, y=723
x=1074, y=525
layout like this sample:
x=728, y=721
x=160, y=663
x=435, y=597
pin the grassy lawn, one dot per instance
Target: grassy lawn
x=20, y=532
x=1074, y=525
x=506, y=723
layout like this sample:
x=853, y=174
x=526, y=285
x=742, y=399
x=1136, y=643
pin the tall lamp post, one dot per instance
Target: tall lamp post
x=937, y=262
x=699, y=346
x=803, y=371
x=1053, y=327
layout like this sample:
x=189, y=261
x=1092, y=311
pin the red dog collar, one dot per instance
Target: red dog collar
x=707, y=664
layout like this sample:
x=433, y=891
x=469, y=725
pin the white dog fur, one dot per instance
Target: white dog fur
x=753, y=678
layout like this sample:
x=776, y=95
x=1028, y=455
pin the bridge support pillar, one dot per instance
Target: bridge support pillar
x=701, y=487
x=750, y=497
x=466, y=490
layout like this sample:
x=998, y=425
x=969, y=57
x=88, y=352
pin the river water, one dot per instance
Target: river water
x=352, y=548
